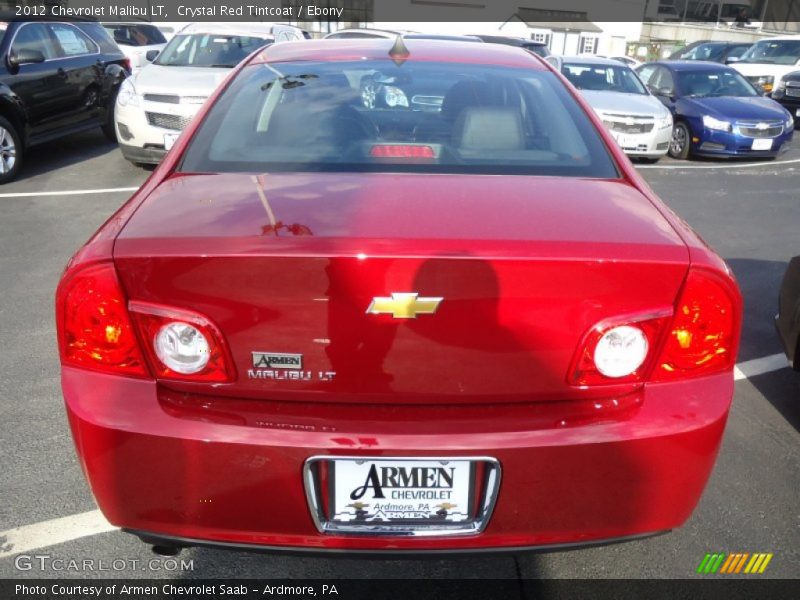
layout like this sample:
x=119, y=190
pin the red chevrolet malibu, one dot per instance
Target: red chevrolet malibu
x=401, y=298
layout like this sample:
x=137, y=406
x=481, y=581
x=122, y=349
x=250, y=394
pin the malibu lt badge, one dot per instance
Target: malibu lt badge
x=278, y=366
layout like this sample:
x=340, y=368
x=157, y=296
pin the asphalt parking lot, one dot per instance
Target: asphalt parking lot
x=750, y=214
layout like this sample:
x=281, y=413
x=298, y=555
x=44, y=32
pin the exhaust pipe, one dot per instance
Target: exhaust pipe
x=163, y=550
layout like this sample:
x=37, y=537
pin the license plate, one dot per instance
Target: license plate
x=426, y=491
x=623, y=140
x=169, y=140
x=762, y=144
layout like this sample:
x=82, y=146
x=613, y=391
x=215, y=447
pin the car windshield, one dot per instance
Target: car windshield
x=779, y=52
x=711, y=84
x=208, y=50
x=381, y=116
x=702, y=52
x=603, y=78
x=135, y=35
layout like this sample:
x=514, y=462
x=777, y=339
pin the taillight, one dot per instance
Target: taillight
x=698, y=337
x=126, y=64
x=619, y=350
x=94, y=328
x=704, y=333
x=182, y=345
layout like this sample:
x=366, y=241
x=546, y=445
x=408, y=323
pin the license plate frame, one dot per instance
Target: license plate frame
x=481, y=496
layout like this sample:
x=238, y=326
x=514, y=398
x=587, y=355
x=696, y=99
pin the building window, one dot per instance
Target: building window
x=588, y=45
x=357, y=13
x=541, y=38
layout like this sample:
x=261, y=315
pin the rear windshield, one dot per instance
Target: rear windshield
x=409, y=116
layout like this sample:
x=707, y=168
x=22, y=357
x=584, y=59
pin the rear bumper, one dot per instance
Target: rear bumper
x=229, y=472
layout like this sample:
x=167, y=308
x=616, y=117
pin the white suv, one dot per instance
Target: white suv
x=154, y=105
x=769, y=60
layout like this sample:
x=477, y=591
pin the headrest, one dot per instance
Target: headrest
x=489, y=129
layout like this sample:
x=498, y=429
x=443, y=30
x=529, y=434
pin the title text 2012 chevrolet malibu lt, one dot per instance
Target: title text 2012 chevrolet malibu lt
x=396, y=297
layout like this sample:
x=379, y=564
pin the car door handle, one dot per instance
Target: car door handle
x=61, y=73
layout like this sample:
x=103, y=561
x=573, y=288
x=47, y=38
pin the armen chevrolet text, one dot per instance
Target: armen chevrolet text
x=398, y=296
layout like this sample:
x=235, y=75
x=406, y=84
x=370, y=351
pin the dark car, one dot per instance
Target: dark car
x=56, y=78
x=788, y=319
x=787, y=93
x=716, y=111
x=539, y=48
x=721, y=52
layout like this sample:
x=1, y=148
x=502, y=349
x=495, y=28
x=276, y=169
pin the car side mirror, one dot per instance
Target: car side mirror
x=25, y=56
x=732, y=59
x=151, y=55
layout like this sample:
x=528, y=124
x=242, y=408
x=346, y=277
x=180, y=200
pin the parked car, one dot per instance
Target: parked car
x=637, y=120
x=788, y=318
x=787, y=94
x=717, y=112
x=721, y=52
x=56, y=78
x=539, y=48
x=155, y=105
x=768, y=61
x=327, y=326
x=136, y=40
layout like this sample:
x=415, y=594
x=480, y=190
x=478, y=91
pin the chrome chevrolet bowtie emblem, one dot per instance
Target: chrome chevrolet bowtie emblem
x=403, y=305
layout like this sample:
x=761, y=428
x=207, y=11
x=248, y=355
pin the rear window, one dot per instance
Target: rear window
x=410, y=116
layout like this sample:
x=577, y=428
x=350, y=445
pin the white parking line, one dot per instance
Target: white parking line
x=759, y=366
x=55, y=531
x=65, y=529
x=727, y=165
x=70, y=192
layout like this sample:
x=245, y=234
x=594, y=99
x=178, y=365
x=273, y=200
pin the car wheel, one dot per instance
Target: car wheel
x=679, y=144
x=10, y=151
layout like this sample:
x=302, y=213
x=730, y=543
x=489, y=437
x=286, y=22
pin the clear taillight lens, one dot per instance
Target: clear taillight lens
x=182, y=345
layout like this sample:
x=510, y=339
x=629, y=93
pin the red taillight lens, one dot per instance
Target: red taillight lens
x=94, y=329
x=585, y=371
x=200, y=356
x=699, y=337
x=704, y=333
x=126, y=64
x=402, y=151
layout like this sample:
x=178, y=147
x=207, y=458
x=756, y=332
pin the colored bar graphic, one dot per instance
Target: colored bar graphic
x=720, y=562
x=703, y=563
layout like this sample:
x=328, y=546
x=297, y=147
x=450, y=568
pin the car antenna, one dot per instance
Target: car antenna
x=399, y=52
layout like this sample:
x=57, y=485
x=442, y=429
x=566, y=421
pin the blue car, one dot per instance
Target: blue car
x=716, y=111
